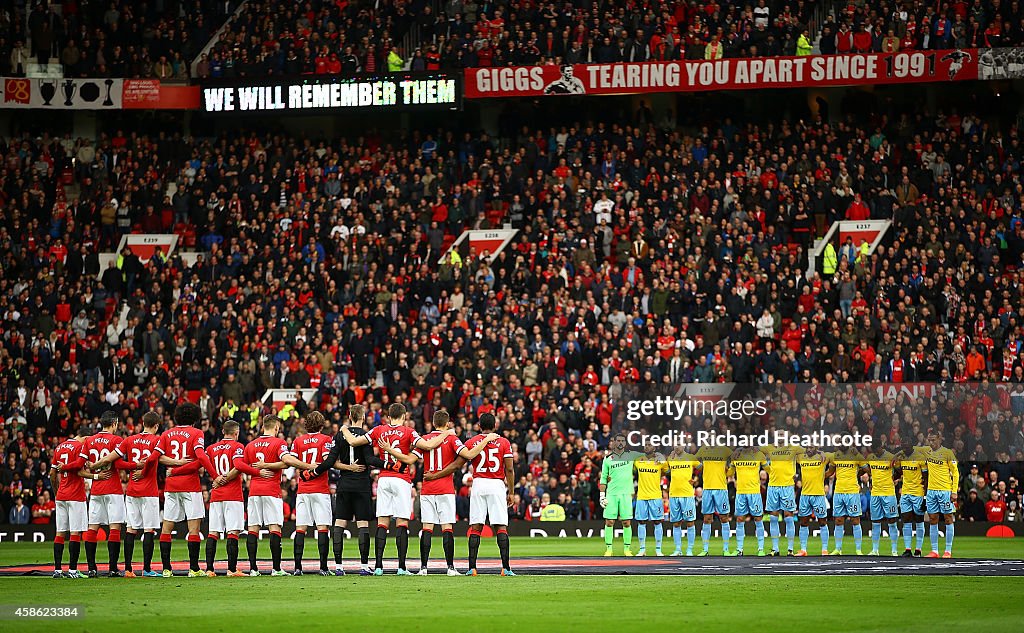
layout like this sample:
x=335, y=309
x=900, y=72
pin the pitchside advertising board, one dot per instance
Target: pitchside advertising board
x=325, y=94
x=743, y=74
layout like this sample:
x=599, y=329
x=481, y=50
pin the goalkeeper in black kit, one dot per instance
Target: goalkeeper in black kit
x=353, y=499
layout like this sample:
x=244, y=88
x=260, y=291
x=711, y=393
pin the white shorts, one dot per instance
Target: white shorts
x=227, y=516
x=437, y=509
x=143, y=512
x=72, y=516
x=266, y=511
x=488, y=499
x=314, y=508
x=394, y=498
x=183, y=506
x=106, y=510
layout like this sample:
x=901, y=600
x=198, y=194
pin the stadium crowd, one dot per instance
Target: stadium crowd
x=118, y=38
x=121, y=39
x=644, y=255
x=325, y=36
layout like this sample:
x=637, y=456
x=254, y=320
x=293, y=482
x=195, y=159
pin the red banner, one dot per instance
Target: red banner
x=151, y=94
x=725, y=74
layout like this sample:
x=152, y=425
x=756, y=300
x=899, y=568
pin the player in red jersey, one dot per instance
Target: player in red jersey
x=492, y=492
x=437, y=496
x=106, y=499
x=183, y=500
x=67, y=476
x=266, y=508
x=313, y=504
x=227, y=511
x=143, y=500
x=353, y=499
x=394, y=487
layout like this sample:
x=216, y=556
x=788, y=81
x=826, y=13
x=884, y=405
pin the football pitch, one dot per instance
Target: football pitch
x=592, y=603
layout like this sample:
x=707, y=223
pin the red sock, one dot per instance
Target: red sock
x=114, y=536
x=59, y=539
x=233, y=537
x=76, y=538
x=502, y=531
x=165, y=538
x=90, y=536
x=192, y=538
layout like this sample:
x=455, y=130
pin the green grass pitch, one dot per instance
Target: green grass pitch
x=703, y=604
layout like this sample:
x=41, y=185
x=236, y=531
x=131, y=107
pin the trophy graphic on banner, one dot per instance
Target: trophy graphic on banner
x=47, y=88
x=108, y=101
x=69, y=92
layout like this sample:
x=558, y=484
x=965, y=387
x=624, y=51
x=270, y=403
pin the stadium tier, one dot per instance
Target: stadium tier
x=107, y=39
x=182, y=40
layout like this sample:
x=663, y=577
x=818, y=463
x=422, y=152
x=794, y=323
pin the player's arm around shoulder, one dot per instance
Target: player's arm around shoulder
x=409, y=460
x=428, y=445
x=353, y=439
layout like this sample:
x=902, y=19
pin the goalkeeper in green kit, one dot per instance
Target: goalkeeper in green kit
x=616, y=486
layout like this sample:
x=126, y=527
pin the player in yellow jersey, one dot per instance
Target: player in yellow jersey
x=781, y=492
x=746, y=467
x=846, y=497
x=943, y=476
x=815, y=468
x=914, y=468
x=715, y=496
x=650, y=508
x=682, y=469
x=882, y=466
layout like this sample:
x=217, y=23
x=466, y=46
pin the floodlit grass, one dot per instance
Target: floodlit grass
x=705, y=604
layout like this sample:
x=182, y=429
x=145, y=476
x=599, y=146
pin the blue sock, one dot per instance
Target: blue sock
x=858, y=535
x=641, y=534
x=824, y=537
x=726, y=536
x=790, y=530
x=949, y=537
x=659, y=533
x=741, y=534
x=933, y=534
x=876, y=534
x=691, y=536
x=759, y=531
x=840, y=531
x=920, y=534
x=705, y=536
x=773, y=527
x=908, y=534
x=805, y=532
x=894, y=535
x=677, y=536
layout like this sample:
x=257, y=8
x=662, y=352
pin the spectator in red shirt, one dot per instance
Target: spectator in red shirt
x=857, y=210
x=43, y=509
x=995, y=508
x=862, y=40
x=844, y=40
